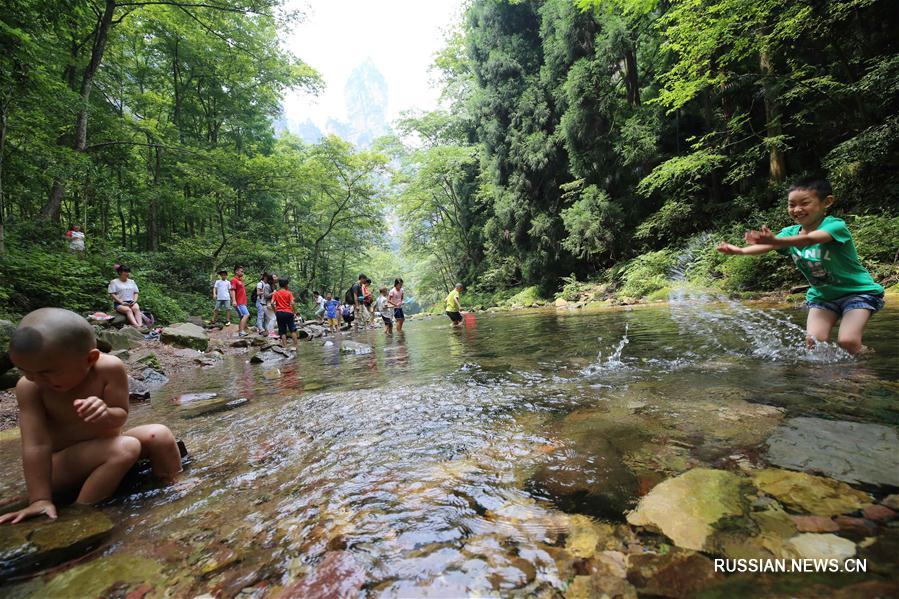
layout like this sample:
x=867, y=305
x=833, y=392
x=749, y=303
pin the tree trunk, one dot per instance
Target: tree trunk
x=631, y=80
x=51, y=208
x=4, y=114
x=777, y=168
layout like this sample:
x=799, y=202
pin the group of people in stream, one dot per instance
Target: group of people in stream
x=73, y=399
x=276, y=305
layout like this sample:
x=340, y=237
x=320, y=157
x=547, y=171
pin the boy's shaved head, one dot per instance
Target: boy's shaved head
x=53, y=329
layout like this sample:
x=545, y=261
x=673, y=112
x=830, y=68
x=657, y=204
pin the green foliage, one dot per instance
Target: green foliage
x=647, y=273
x=572, y=288
x=590, y=223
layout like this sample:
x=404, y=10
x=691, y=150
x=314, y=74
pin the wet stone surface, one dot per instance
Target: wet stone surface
x=853, y=452
x=500, y=459
x=41, y=543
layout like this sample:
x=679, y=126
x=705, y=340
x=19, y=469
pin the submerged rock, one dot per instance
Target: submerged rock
x=878, y=513
x=118, y=575
x=213, y=406
x=819, y=546
x=815, y=524
x=687, y=507
x=678, y=573
x=186, y=335
x=337, y=575
x=810, y=494
x=40, y=543
x=353, y=347
x=585, y=535
x=852, y=452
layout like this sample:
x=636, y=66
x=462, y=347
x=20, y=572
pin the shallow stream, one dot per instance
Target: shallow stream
x=447, y=462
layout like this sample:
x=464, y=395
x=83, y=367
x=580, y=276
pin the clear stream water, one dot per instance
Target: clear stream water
x=446, y=461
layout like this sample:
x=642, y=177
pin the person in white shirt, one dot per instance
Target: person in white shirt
x=221, y=293
x=76, y=239
x=124, y=294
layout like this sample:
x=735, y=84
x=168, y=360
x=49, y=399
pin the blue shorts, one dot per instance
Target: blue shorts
x=861, y=301
x=242, y=310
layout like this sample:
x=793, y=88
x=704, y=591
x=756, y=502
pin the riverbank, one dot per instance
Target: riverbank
x=597, y=296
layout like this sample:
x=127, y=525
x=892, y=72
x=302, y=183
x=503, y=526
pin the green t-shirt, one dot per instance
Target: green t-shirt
x=832, y=269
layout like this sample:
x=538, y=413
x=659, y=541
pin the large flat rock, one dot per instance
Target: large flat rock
x=186, y=335
x=40, y=543
x=853, y=452
x=686, y=508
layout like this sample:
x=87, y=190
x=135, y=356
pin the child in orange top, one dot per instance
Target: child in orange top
x=283, y=300
x=73, y=404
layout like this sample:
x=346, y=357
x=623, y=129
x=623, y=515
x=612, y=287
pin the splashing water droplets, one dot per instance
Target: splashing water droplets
x=726, y=325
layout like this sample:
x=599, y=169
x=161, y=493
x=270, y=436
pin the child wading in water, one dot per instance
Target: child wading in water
x=73, y=404
x=331, y=308
x=822, y=248
x=383, y=308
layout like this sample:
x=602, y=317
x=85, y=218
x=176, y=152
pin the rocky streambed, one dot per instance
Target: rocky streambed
x=490, y=462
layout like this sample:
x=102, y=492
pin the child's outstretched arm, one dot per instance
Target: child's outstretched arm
x=37, y=455
x=766, y=237
x=755, y=249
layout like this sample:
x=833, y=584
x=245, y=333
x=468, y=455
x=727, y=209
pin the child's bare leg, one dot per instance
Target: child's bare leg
x=818, y=326
x=157, y=443
x=98, y=463
x=851, y=328
x=296, y=341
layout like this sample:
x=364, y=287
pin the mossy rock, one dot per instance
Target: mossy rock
x=6, y=331
x=39, y=543
x=120, y=572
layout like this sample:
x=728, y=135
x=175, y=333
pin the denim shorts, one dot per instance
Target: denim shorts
x=242, y=310
x=840, y=306
x=222, y=304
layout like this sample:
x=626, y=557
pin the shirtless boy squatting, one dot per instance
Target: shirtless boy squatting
x=73, y=403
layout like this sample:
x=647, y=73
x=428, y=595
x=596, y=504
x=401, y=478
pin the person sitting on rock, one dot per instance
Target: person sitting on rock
x=73, y=404
x=124, y=293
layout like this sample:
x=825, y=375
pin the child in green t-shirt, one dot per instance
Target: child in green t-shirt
x=822, y=248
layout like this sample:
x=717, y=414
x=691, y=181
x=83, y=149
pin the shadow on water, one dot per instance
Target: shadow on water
x=450, y=460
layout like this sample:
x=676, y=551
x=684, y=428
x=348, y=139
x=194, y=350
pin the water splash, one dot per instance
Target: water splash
x=613, y=362
x=725, y=325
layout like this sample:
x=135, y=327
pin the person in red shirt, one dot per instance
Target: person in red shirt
x=283, y=301
x=239, y=300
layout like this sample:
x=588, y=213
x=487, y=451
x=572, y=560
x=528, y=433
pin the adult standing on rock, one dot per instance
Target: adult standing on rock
x=395, y=300
x=358, y=298
x=261, y=301
x=239, y=300
x=124, y=293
